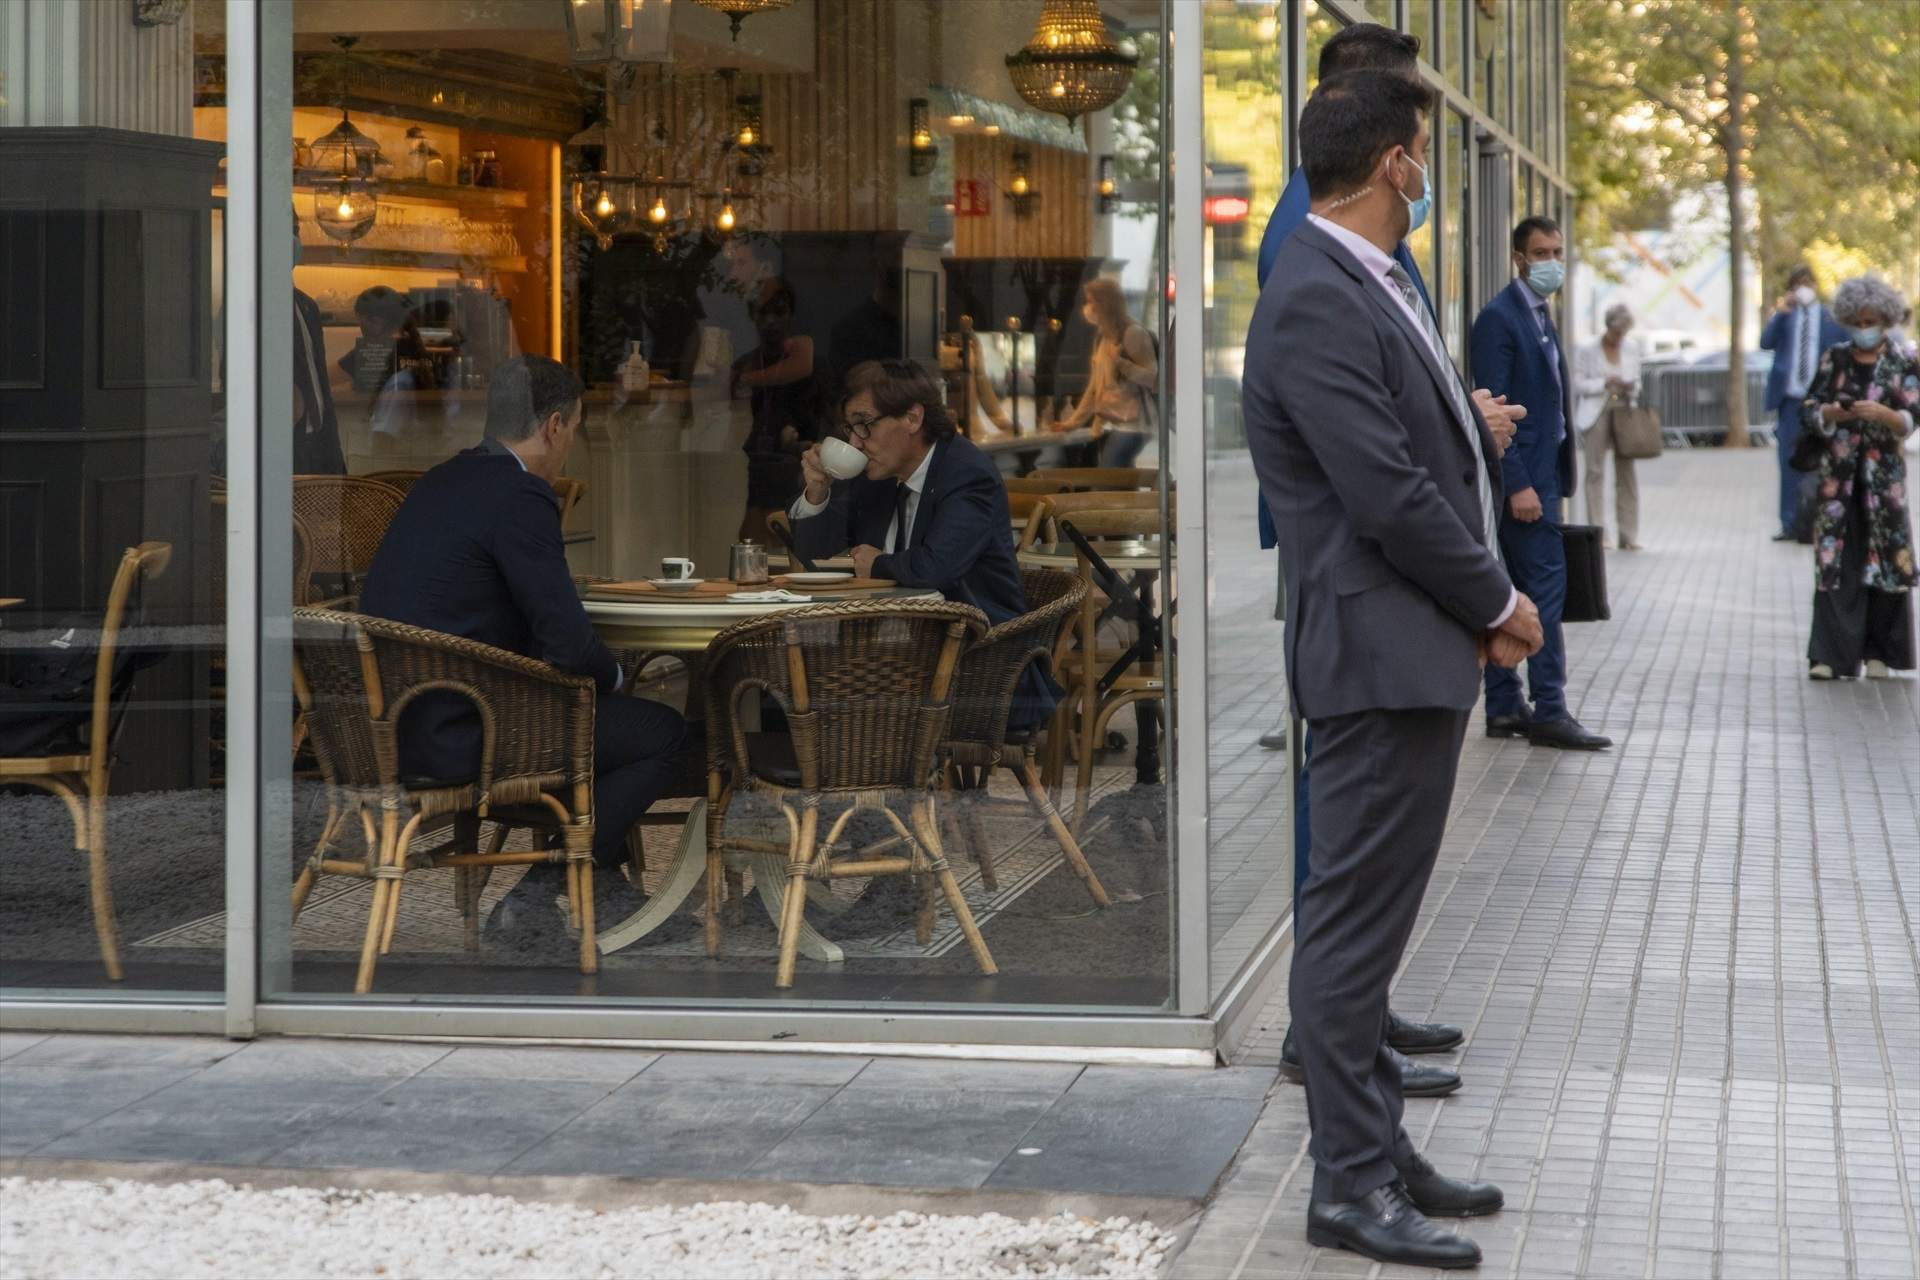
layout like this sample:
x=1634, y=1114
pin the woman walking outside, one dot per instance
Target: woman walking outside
x=1606, y=381
x=1862, y=403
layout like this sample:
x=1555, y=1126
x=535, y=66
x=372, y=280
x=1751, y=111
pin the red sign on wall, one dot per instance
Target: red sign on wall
x=970, y=198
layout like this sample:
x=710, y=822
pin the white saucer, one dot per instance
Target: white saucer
x=819, y=578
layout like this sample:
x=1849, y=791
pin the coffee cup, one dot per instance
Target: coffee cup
x=677, y=567
x=842, y=460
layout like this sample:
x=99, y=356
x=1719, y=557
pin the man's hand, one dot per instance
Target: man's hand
x=1522, y=627
x=863, y=558
x=819, y=483
x=1525, y=506
x=1503, y=650
x=1501, y=416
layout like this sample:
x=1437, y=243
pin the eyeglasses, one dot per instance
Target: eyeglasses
x=861, y=428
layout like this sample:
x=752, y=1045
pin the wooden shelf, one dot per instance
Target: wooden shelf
x=445, y=196
x=314, y=255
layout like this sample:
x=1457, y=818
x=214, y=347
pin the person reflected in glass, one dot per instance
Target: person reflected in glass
x=1606, y=380
x=1863, y=401
x=389, y=359
x=777, y=377
x=1123, y=379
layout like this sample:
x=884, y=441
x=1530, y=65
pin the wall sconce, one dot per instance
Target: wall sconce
x=921, y=151
x=1020, y=192
x=1108, y=188
x=748, y=135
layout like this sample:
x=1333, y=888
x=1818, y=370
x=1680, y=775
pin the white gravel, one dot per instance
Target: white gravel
x=51, y=1229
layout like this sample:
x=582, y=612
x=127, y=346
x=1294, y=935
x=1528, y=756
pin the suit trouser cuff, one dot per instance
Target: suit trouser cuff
x=1339, y=1185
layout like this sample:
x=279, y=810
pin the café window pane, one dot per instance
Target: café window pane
x=112, y=512
x=579, y=339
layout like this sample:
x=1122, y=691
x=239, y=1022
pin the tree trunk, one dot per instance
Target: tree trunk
x=1734, y=140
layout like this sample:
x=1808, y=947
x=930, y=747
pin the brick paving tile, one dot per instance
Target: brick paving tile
x=1687, y=966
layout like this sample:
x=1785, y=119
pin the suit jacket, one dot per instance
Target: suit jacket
x=961, y=544
x=1289, y=215
x=1777, y=337
x=1370, y=475
x=316, y=445
x=475, y=551
x=1511, y=359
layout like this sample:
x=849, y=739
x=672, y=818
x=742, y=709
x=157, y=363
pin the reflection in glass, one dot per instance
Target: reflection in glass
x=113, y=570
x=546, y=429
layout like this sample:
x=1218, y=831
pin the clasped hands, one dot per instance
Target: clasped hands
x=1516, y=639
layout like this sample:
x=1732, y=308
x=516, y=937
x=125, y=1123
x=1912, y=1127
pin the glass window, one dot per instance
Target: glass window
x=1420, y=23
x=580, y=347
x=1491, y=32
x=1454, y=228
x=113, y=512
x=1320, y=28
x=1526, y=89
x=1250, y=845
x=1451, y=28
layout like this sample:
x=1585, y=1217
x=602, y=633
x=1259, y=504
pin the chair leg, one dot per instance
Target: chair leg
x=1038, y=798
x=923, y=822
x=377, y=909
x=105, y=923
x=393, y=916
x=798, y=857
x=589, y=950
x=718, y=798
x=1083, y=786
x=310, y=873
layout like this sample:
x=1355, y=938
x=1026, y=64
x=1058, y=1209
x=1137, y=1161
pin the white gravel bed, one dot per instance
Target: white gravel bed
x=51, y=1229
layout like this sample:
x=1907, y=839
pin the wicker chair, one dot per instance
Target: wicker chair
x=867, y=689
x=990, y=674
x=344, y=518
x=79, y=775
x=1044, y=524
x=401, y=480
x=571, y=489
x=355, y=677
x=1033, y=484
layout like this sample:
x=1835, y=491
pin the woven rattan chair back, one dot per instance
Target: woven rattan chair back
x=866, y=687
x=401, y=480
x=1034, y=484
x=344, y=517
x=991, y=668
x=362, y=674
x=570, y=490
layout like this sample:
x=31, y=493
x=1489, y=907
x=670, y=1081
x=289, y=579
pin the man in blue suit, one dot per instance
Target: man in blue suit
x=1364, y=46
x=475, y=551
x=1516, y=351
x=1797, y=332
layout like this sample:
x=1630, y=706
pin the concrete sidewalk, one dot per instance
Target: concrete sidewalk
x=835, y=1133
x=1687, y=966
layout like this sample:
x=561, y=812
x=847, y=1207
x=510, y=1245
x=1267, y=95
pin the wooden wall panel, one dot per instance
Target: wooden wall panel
x=23, y=323
x=1061, y=224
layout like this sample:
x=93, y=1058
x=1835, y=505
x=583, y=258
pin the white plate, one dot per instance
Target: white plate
x=817, y=579
x=676, y=585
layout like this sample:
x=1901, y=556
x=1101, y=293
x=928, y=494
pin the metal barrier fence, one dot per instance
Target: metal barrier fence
x=1692, y=402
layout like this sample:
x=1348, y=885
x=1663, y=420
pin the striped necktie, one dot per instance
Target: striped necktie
x=1489, y=517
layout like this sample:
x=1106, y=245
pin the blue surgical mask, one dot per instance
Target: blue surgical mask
x=1868, y=338
x=1545, y=278
x=1418, y=209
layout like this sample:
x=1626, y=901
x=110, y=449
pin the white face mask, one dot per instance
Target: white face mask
x=1805, y=295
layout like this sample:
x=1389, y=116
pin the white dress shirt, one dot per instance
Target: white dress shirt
x=1376, y=262
x=1591, y=369
x=916, y=482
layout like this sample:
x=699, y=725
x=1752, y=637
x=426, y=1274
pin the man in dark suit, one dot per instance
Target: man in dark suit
x=475, y=551
x=1381, y=477
x=1797, y=332
x=1366, y=46
x=1517, y=353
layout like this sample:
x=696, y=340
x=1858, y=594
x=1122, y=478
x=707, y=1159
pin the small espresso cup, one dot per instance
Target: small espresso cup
x=676, y=567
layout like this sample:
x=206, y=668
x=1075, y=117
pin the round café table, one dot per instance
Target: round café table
x=686, y=624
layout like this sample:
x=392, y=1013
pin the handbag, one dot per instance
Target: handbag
x=1586, y=552
x=1636, y=433
x=1808, y=449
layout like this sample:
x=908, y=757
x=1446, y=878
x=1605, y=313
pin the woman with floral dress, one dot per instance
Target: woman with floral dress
x=1863, y=402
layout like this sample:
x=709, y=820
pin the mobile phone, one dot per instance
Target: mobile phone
x=1844, y=400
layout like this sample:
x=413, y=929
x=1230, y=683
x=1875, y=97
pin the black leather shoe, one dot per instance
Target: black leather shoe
x=1275, y=741
x=1566, y=734
x=1438, y=1196
x=1513, y=726
x=1421, y=1037
x=1785, y=535
x=1386, y=1226
x=1417, y=1079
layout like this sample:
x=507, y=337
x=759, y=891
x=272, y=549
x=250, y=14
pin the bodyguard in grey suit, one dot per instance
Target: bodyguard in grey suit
x=1384, y=486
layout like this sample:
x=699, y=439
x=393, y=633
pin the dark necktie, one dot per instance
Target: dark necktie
x=900, y=519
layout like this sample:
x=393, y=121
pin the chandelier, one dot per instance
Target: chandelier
x=341, y=163
x=1071, y=67
x=739, y=11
